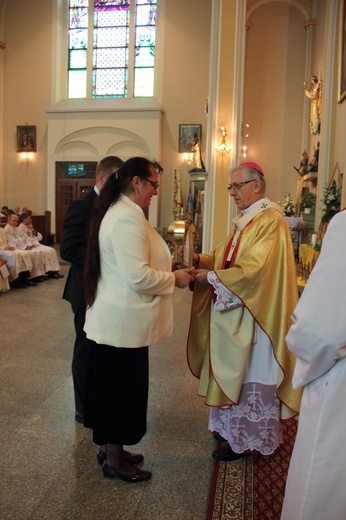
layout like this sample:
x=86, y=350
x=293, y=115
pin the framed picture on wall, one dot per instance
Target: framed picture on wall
x=342, y=72
x=188, y=136
x=26, y=138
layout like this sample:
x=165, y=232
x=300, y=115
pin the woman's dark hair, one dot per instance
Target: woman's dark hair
x=117, y=183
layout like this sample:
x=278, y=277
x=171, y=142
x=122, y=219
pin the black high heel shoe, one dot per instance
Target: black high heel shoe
x=139, y=476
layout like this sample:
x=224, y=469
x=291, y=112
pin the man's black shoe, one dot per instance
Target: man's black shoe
x=226, y=453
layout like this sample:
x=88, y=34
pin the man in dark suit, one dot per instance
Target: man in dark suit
x=72, y=249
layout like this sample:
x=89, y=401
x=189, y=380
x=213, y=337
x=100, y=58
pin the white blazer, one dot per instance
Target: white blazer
x=133, y=305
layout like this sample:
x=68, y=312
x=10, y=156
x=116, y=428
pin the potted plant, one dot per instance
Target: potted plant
x=308, y=201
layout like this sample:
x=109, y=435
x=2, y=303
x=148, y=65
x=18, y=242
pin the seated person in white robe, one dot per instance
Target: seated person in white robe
x=18, y=262
x=26, y=228
x=16, y=240
x=4, y=276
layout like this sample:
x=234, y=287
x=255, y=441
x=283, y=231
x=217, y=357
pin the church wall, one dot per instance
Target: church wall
x=317, y=61
x=184, y=87
x=223, y=114
x=26, y=94
x=337, y=148
x=326, y=39
x=274, y=95
x=2, y=53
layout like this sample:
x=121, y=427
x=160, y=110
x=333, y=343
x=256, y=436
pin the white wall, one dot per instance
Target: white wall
x=88, y=131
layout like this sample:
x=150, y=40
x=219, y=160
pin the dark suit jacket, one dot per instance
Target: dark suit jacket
x=73, y=245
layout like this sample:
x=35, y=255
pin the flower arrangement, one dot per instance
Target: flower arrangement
x=288, y=205
x=308, y=199
x=330, y=205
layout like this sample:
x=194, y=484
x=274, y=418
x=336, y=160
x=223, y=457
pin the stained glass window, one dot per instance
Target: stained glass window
x=111, y=48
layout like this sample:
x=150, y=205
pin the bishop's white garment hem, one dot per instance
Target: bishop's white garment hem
x=254, y=423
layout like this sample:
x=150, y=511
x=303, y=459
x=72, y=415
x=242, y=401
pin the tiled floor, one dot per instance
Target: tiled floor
x=48, y=464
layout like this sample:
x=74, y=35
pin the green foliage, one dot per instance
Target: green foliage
x=330, y=205
x=308, y=199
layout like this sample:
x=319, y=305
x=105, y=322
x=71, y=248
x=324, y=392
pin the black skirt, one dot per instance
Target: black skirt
x=117, y=394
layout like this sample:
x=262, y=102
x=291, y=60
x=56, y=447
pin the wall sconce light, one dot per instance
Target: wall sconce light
x=26, y=157
x=187, y=158
x=223, y=148
x=245, y=130
x=244, y=133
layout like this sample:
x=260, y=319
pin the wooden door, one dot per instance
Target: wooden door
x=72, y=181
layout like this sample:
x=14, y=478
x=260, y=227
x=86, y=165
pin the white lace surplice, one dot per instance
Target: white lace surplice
x=254, y=423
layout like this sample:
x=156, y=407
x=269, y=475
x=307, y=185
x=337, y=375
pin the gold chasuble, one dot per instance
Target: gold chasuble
x=262, y=275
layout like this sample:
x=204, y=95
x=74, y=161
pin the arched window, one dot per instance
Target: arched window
x=111, y=46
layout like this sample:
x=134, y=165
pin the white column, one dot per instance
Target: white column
x=235, y=116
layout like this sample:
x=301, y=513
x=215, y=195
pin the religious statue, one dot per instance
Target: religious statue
x=315, y=96
x=197, y=154
x=303, y=165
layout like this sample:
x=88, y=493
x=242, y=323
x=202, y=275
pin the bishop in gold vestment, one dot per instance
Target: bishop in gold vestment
x=244, y=294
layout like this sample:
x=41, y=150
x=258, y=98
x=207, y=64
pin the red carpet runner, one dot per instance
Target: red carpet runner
x=252, y=488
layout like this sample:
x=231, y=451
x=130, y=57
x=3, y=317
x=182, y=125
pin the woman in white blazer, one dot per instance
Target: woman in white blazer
x=129, y=286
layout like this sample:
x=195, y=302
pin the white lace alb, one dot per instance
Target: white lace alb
x=225, y=299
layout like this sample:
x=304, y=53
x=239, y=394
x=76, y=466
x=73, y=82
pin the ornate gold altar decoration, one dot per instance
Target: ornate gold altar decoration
x=176, y=229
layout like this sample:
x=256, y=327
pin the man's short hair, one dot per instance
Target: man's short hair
x=250, y=174
x=109, y=164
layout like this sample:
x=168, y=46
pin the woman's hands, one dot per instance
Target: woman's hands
x=190, y=273
x=183, y=277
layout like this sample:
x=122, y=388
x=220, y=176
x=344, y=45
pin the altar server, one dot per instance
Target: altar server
x=315, y=485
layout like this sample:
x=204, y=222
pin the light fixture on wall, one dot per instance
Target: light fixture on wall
x=187, y=158
x=223, y=148
x=26, y=157
x=244, y=134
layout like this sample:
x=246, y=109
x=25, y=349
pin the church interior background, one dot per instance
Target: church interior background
x=216, y=66
x=238, y=73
